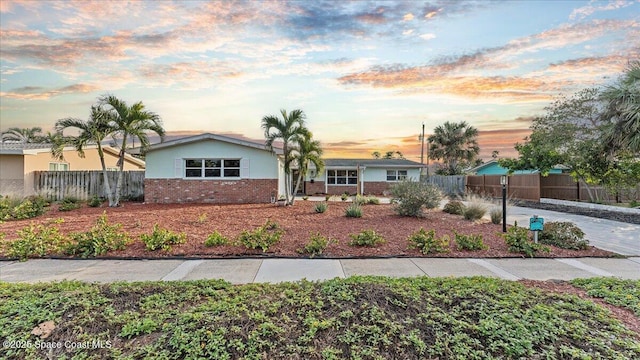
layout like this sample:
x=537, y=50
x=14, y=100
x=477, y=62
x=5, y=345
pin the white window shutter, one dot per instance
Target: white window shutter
x=244, y=168
x=178, y=168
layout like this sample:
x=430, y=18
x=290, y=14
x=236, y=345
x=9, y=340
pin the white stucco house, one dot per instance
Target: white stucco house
x=212, y=168
x=363, y=176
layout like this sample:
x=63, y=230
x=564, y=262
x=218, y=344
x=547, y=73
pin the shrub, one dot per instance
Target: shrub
x=263, y=237
x=427, y=242
x=454, y=207
x=410, y=197
x=344, y=197
x=69, y=203
x=37, y=241
x=162, y=239
x=17, y=209
x=101, y=239
x=469, y=242
x=371, y=200
x=321, y=207
x=496, y=215
x=564, y=235
x=317, y=245
x=366, y=238
x=354, y=210
x=517, y=238
x=216, y=239
x=95, y=201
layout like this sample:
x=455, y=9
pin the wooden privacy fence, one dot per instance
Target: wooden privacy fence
x=535, y=186
x=450, y=185
x=56, y=185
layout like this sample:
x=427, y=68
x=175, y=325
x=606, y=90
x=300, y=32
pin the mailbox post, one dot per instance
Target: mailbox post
x=536, y=224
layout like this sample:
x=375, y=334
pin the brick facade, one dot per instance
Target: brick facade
x=370, y=188
x=209, y=191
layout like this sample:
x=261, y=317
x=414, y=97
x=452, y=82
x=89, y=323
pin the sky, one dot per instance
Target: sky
x=367, y=74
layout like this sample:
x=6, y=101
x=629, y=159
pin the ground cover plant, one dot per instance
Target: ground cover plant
x=294, y=222
x=102, y=238
x=162, y=239
x=353, y=318
x=37, y=240
x=624, y=293
x=517, y=238
x=12, y=208
x=427, y=242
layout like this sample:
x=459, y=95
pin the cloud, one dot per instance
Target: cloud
x=40, y=93
x=585, y=11
x=408, y=17
x=428, y=36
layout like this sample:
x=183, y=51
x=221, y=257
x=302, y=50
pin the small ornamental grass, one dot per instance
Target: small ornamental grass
x=475, y=210
x=316, y=245
x=354, y=210
x=162, y=239
x=216, y=239
x=517, y=238
x=37, y=241
x=95, y=201
x=428, y=243
x=101, y=239
x=496, y=215
x=469, y=242
x=411, y=197
x=367, y=238
x=261, y=238
x=564, y=235
x=454, y=207
x=320, y=207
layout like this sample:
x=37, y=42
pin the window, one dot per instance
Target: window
x=396, y=175
x=342, y=177
x=211, y=168
x=58, y=167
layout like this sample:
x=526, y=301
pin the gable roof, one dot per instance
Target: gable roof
x=214, y=137
x=386, y=163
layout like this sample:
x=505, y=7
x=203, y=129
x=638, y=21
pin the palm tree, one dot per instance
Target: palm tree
x=21, y=135
x=92, y=131
x=288, y=129
x=454, y=143
x=306, y=151
x=624, y=107
x=129, y=122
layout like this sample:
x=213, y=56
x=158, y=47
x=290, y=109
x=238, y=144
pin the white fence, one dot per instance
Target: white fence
x=56, y=185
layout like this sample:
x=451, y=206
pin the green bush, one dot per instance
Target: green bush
x=263, y=237
x=427, y=242
x=354, y=210
x=95, y=201
x=454, y=207
x=19, y=209
x=69, y=203
x=317, y=245
x=564, y=235
x=469, y=242
x=216, y=239
x=517, y=238
x=37, y=241
x=366, y=238
x=496, y=215
x=101, y=239
x=410, y=197
x=321, y=207
x=162, y=239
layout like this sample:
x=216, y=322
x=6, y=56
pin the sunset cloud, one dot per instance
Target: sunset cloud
x=40, y=93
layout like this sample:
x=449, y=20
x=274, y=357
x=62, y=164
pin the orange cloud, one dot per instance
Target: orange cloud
x=39, y=93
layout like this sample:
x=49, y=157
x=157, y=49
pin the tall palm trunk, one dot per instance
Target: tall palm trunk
x=105, y=176
x=295, y=191
x=116, y=196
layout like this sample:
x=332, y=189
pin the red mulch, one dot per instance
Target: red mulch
x=298, y=222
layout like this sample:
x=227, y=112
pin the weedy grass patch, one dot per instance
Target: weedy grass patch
x=354, y=318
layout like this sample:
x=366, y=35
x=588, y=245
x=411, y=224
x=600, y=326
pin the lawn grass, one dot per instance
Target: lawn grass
x=354, y=318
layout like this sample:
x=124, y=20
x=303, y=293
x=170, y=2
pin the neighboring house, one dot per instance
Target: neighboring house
x=371, y=176
x=493, y=168
x=212, y=168
x=19, y=161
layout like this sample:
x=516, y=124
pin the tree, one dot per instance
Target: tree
x=306, y=151
x=22, y=135
x=623, y=106
x=129, y=122
x=456, y=144
x=289, y=129
x=569, y=133
x=388, y=155
x=92, y=131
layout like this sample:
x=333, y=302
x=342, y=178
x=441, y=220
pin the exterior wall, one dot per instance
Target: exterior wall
x=317, y=187
x=12, y=175
x=209, y=191
x=374, y=179
x=164, y=163
x=380, y=174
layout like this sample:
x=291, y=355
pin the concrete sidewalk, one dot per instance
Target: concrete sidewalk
x=242, y=271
